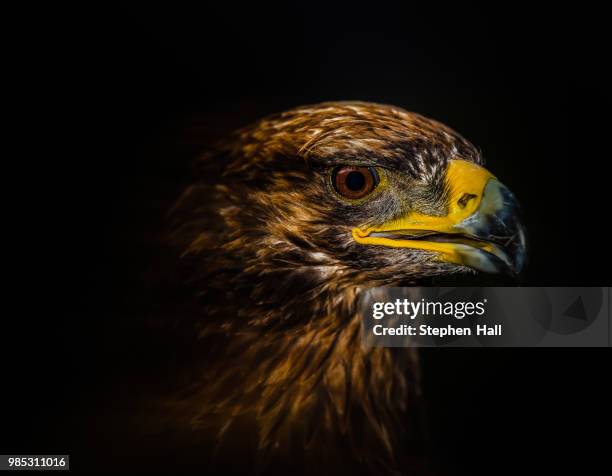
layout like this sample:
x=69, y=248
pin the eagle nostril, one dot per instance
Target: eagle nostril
x=465, y=198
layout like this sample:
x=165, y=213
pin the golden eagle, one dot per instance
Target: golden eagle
x=287, y=224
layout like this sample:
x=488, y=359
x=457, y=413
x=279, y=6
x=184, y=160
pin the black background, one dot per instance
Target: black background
x=117, y=103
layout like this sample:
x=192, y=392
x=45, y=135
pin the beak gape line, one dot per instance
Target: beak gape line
x=482, y=229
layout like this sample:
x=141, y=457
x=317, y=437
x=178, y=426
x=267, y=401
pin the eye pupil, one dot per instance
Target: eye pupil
x=355, y=181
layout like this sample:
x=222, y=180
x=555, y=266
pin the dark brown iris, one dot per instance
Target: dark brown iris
x=354, y=182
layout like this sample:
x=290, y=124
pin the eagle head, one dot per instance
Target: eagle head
x=355, y=193
x=288, y=222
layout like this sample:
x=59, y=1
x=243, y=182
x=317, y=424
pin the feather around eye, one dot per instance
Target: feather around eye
x=354, y=182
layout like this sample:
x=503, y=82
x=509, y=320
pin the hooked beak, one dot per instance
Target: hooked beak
x=482, y=229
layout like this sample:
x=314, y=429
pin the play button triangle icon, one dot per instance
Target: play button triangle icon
x=576, y=310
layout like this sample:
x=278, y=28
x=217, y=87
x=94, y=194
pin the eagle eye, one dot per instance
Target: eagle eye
x=354, y=182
